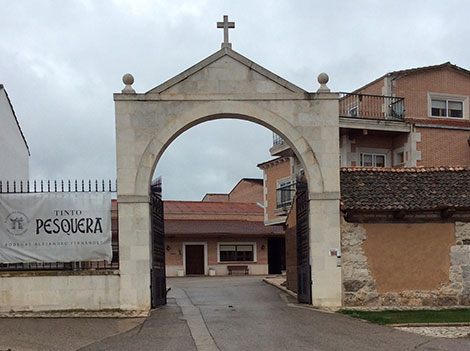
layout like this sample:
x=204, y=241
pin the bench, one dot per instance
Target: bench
x=237, y=268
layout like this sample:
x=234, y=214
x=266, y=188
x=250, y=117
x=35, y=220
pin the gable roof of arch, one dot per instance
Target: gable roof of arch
x=290, y=87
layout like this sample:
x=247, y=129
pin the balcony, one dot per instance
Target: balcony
x=372, y=107
x=280, y=147
x=372, y=112
x=277, y=140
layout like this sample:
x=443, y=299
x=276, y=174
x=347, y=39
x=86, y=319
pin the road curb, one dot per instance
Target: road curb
x=280, y=287
x=75, y=314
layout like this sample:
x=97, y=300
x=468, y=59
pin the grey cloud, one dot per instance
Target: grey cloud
x=61, y=61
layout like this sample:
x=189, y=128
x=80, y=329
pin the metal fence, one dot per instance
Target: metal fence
x=24, y=187
x=372, y=106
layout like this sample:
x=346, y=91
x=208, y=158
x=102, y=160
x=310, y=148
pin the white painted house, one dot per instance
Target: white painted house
x=14, y=151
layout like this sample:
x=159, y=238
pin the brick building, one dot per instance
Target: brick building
x=246, y=190
x=408, y=118
x=405, y=178
x=221, y=231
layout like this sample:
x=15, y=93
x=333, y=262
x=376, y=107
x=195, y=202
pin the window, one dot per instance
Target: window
x=235, y=252
x=372, y=160
x=446, y=108
x=284, y=193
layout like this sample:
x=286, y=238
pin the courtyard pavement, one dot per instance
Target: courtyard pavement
x=219, y=313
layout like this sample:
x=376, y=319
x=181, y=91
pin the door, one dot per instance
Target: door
x=276, y=255
x=194, y=259
x=158, y=278
x=304, y=277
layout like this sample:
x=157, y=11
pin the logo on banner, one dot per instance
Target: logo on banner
x=17, y=223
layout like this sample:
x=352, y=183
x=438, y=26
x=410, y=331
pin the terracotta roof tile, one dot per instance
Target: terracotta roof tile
x=391, y=189
x=220, y=227
x=206, y=207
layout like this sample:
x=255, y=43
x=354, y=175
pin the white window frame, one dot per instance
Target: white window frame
x=283, y=180
x=448, y=97
x=374, y=155
x=255, y=256
x=375, y=151
x=278, y=186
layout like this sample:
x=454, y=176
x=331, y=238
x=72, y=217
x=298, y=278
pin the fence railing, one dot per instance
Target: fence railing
x=19, y=187
x=277, y=140
x=371, y=106
x=47, y=186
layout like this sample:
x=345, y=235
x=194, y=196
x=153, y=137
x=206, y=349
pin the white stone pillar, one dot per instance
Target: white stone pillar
x=134, y=253
x=324, y=223
x=324, y=206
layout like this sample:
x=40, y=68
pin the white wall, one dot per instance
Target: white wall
x=14, y=156
x=20, y=292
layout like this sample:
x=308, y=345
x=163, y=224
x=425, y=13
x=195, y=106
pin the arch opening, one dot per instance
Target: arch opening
x=297, y=143
x=223, y=254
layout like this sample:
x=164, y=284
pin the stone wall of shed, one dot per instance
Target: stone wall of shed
x=363, y=286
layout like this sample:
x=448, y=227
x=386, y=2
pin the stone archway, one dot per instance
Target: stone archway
x=226, y=85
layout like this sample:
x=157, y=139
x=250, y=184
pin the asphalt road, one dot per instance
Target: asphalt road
x=218, y=313
x=243, y=313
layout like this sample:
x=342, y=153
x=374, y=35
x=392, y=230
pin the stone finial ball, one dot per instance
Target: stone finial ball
x=323, y=78
x=128, y=79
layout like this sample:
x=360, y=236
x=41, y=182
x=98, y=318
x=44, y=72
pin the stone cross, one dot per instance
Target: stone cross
x=226, y=25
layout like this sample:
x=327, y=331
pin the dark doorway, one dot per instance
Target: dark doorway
x=276, y=255
x=194, y=259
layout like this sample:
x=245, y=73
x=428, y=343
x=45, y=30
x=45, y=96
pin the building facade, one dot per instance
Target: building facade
x=14, y=155
x=405, y=152
x=409, y=118
x=222, y=232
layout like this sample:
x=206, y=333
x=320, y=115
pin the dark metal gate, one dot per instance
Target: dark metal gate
x=304, y=274
x=158, y=278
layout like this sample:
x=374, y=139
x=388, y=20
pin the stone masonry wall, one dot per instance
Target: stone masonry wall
x=360, y=286
x=358, y=283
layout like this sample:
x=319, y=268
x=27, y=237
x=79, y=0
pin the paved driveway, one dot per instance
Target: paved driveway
x=243, y=313
x=218, y=313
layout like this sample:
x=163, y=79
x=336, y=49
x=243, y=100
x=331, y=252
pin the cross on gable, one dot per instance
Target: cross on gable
x=226, y=25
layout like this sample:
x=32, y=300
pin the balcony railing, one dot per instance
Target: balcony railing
x=277, y=140
x=371, y=106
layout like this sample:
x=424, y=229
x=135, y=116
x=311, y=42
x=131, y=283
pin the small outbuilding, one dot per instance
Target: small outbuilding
x=405, y=237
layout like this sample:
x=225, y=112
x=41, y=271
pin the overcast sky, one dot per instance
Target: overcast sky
x=61, y=61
